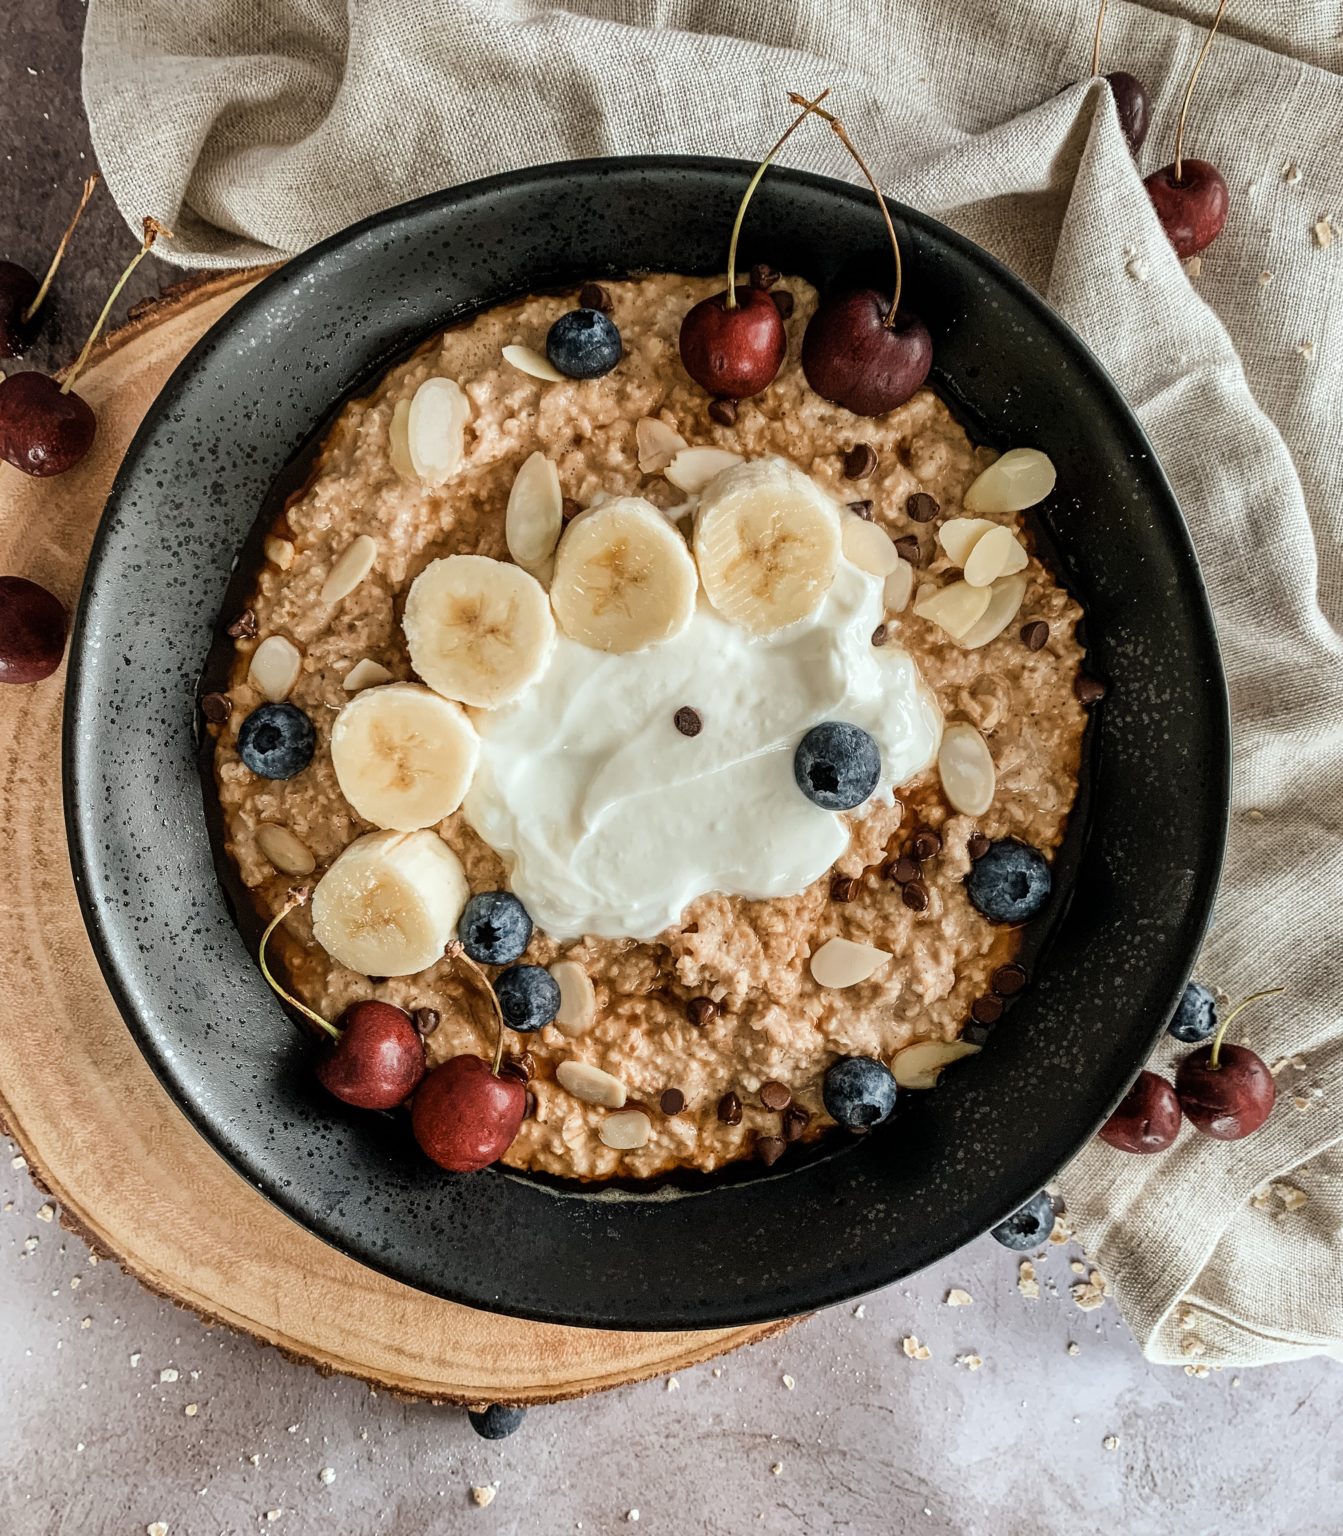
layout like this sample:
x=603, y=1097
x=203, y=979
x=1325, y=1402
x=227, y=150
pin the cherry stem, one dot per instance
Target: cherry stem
x=298, y=894
x=42, y=292
x=1214, y=1061
x=1096, y=42
x=153, y=229
x=455, y=952
x=754, y=182
x=1189, y=92
x=848, y=144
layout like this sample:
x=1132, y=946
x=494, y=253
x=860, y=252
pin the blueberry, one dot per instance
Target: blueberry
x=496, y=1422
x=1196, y=1017
x=1030, y=1226
x=494, y=928
x=858, y=1092
x=1010, y=883
x=583, y=344
x=529, y=997
x=837, y=765
x=276, y=741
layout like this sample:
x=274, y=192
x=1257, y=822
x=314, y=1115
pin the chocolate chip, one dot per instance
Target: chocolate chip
x=729, y=1109
x=763, y=275
x=843, y=888
x=724, y=412
x=426, y=1020
x=977, y=845
x=860, y=461
x=904, y=870
x=1035, y=635
x=529, y=1106
x=986, y=1010
x=1008, y=980
x=594, y=296
x=569, y=509
x=216, y=707
x=688, y=721
x=783, y=302
x=769, y=1149
x=907, y=547
x=880, y=635
x=795, y=1122
x=1088, y=689
x=862, y=508
x=915, y=896
x=925, y=846
x=922, y=507
x=672, y=1101
x=514, y=1069
x=244, y=626
x=699, y=1010
x=775, y=1095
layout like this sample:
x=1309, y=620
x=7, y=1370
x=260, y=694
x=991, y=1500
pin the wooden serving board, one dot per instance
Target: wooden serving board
x=102, y=1137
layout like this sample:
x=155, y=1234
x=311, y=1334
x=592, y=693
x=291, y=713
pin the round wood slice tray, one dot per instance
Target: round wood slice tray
x=101, y=1136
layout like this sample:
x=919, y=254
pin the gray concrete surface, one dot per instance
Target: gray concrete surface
x=95, y=1440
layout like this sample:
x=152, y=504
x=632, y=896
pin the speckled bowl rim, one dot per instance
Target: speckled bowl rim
x=781, y=1291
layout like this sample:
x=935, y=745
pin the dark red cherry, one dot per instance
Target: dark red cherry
x=851, y=356
x=1229, y=1100
x=1133, y=105
x=734, y=352
x=1148, y=1117
x=378, y=1060
x=32, y=631
x=42, y=431
x=18, y=289
x=1192, y=208
x=464, y=1116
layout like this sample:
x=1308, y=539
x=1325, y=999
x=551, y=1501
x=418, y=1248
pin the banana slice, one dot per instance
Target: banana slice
x=389, y=904
x=404, y=757
x=479, y=630
x=535, y=513
x=624, y=579
x=767, y=540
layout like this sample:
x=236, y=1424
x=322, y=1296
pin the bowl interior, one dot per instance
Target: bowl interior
x=1140, y=865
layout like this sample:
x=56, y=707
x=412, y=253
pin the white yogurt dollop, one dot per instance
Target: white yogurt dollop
x=612, y=821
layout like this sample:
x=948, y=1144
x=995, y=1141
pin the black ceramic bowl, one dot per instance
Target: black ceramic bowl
x=1140, y=867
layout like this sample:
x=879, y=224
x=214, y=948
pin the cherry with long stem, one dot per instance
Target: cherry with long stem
x=1133, y=105
x=22, y=295
x=1215, y=1048
x=1227, y=1091
x=1190, y=196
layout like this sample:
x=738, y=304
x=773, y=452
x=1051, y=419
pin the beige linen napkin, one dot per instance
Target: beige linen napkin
x=254, y=128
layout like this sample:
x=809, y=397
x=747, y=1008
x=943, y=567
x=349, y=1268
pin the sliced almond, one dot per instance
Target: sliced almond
x=529, y=360
x=919, y=1065
x=355, y=562
x=957, y=608
x=1020, y=479
x=289, y=854
x=657, y=444
x=398, y=441
x=965, y=766
x=1007, y=595
x=959, y=535
x=436, y=430
x=844, y=963
x=276, y=663
x=899, y=586
x=591, y=1084
x=535, y=513
x=280, y=552
x=627, y=1130
x=578, y=1000
x=870, y=548
x=365, y=674
x=998, y=553
x=692, y=468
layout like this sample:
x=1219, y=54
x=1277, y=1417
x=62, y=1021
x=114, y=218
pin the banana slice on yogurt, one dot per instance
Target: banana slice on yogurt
x=389, y=904
x=404, y=756
x=767, y=540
